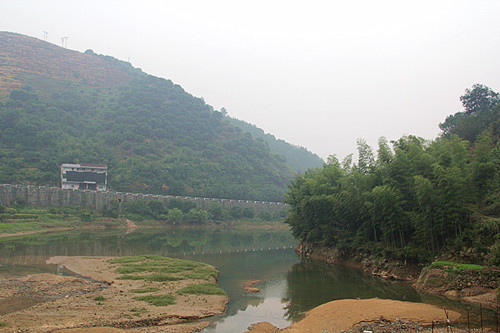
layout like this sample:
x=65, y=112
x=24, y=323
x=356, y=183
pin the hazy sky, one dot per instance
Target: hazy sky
x=319, y=74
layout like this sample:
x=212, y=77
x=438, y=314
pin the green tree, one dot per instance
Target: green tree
x=365, y=156
x=265, y=215
x=197, y=216
x=479, y=99
x=216, y=211
x=248, y=212
x=236, y=212
x=175, y=216
x=481, y=109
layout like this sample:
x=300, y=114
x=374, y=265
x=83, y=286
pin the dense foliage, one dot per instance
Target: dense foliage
x=299, y=158
x=408, y=202
x=178, y=211
x=153, y=136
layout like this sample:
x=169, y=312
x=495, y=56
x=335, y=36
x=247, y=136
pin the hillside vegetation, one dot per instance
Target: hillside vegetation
x=414, y=201
x=299, y=158
x=62, y=106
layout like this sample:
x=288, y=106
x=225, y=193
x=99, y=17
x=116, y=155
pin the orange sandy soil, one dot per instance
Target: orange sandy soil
x=248, y=286
x=343, y=314
x=69, y=304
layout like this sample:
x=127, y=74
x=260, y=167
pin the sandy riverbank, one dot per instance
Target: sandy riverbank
x=343, y=314
x=105, y=301
x=24, y=233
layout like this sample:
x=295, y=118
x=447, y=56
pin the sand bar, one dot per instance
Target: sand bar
x=343, y=314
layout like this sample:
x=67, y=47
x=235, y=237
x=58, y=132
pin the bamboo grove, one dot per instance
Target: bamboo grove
x=413, y=200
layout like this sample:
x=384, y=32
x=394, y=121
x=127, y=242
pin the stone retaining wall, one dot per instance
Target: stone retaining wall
x=44, y=196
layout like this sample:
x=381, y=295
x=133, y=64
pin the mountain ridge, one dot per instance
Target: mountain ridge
x=299, y=158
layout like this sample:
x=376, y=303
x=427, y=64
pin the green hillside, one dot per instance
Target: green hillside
x=299, y=158
x=61, y=106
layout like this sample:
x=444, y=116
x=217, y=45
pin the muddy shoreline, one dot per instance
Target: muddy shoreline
x=105, y=300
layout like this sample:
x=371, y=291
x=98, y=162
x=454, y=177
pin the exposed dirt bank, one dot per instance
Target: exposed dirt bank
x=476, y=286
x=468, y=285
x=384, y=269
x=343, y=314
x=105, y=303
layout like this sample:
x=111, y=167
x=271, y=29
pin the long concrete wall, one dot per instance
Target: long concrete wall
x=43, y=196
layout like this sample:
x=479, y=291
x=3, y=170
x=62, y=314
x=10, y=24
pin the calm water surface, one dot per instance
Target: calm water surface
x=289, y=286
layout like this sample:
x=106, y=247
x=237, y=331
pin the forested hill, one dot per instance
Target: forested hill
x=299, y=158
x=59, y=106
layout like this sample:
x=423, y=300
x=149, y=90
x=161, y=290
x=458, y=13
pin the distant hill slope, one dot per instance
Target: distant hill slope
x=62, y=106
x=21, y=54
x=299, y=158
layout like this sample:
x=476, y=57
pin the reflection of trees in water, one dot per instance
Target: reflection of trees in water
x=312, y=283
x=238, y=267
x=166, y=241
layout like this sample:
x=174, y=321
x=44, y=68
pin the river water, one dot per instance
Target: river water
x=290, y=286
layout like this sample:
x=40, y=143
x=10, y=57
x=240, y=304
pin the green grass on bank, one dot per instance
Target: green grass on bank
x=22, y=219
x=157, y=300
x=152, y=268
x=162, y=269
x=151, y=277
x=202, y=289
x=452, y=266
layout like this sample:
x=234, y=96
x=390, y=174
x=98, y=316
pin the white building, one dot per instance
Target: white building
x=84, y=176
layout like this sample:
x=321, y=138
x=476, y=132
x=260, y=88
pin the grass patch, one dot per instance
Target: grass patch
x=202, y=273
x=163, y=265
x=149, y=267
x=99, y=298
x=456, y=267
x=22, y=219
x=126, y=259
x=162, y=269
x=3, y=324
x=144, y=290
x=202, y=289
x=151, y=277
x=162, y=277
x=131, y=277
x=157, y=300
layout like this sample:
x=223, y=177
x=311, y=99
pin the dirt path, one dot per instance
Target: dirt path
x=343, y=314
